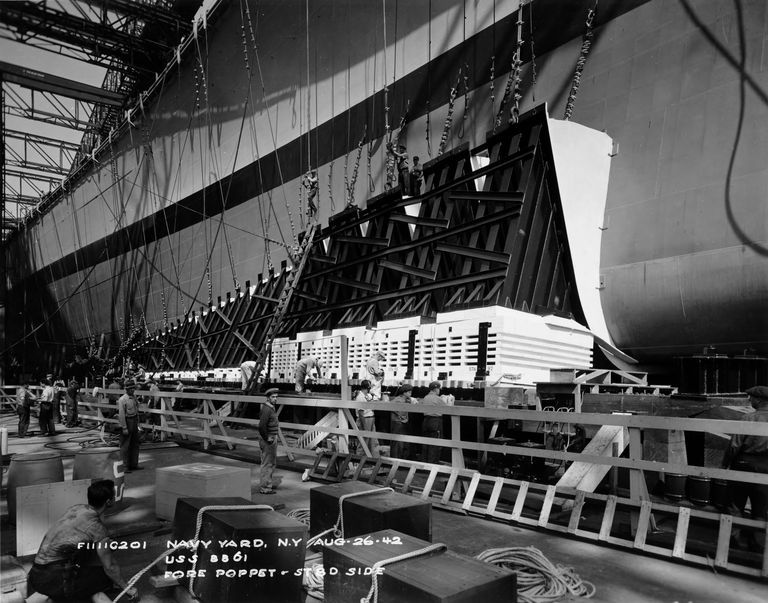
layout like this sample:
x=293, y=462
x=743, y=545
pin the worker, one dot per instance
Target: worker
x=269, y=428
x=48, y=398
x=128, y=417
x=750, y=453
x=75, y=561
x=417, y=177
x=60, y=401
x=399, y=422
x=403, y=173
x=303, y=370
x=24, y=401
x=73, y=395
x=375, y=373
x=366, y=418
x=432, y=426
x=311, y=183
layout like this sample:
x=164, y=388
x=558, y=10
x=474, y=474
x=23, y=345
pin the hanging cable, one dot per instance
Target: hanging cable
x=429, y=75
x=449, y=117
x=586, y=44
x=517, y=65
x=533, y=51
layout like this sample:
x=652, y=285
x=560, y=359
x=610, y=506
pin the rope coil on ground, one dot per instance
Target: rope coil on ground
x=538, y=579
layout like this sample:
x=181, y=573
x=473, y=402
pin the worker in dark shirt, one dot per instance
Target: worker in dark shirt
x=399, y=424
x=24, y=401
x=432, y=426
x=75, y=561
x=72, y=403
x=269, y=427
x=750, y=453
x=128, y=417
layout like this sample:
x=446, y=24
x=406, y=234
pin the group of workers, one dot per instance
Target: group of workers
x=56, y=403
x=66, y=569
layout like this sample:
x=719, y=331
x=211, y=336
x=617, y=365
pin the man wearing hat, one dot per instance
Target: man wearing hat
x=375, y=374
x=72, y=401
x=48, y=398
x=399, y=422
x=366, y=418
x=268, y=429
x=432, y=426
x=128, y=417
x=750, y=453
x=303, y=369
x=24, y=401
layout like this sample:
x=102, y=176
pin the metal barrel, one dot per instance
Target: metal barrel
x=675, y=485
x=101, y=463
x=31, y=469
x=698, y=489
x=719, y=493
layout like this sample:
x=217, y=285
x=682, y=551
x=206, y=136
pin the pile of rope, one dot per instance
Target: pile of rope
x=538, y=579
x=301, y=515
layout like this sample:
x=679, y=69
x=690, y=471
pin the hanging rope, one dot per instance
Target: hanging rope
x=449, y=117
x=309, y=99
x=538, y=579
x=493, y=64
x=586, y=44
x=465, y=77
x=533, y=51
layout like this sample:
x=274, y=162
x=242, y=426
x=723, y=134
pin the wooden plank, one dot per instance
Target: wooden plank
x=587, y=476
x=430, y=483
x=471, y=492
x=39, y=506
x=449, y=487
x=495, y=494
x=764, y=571
x=605, y=527
x=578, y=504
x=723, y=541
x=642, y=524
x=681, y=533
x=517, y=510
x=392, y=473
x=408, y=479
x=546, y=508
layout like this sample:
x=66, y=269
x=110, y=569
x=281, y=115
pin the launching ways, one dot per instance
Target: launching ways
x=490, y=229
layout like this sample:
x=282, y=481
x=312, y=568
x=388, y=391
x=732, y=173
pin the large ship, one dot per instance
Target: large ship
x=199, y=190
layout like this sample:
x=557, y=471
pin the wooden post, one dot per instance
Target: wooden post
x=457, y=454
x=346, y=393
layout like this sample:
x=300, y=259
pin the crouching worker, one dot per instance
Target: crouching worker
x=75, y=561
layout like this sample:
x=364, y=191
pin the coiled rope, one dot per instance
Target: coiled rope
x=538, y=579
x=586, y=44
x=373, y=593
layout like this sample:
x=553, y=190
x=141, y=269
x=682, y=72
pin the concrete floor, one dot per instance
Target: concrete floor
x=618, y=575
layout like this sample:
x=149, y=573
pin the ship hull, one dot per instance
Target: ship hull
x=204, y=192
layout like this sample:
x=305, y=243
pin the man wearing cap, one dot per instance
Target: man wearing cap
x=48, y=398
x=268, y=430
x=750, y=453
x=72, y=401
x=303, y=369
x=128, y=417
x=366, y=418
x=432, y=426
x=24, y=401
x=399, y=422
x=375, y=374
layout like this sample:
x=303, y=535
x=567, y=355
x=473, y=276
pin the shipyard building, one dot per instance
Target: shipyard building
x=397, y=300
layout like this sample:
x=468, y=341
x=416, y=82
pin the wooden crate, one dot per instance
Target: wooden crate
x=198, y=480
x=365, y=514
x=276, y=553
x=438, y=577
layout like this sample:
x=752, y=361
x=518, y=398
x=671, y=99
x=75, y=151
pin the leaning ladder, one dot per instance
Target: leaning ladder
x=291, y=281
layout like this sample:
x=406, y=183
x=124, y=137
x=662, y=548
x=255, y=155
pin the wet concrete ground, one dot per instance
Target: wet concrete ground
x=618, y=575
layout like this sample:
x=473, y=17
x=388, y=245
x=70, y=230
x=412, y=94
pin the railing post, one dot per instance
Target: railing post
x=346, y=393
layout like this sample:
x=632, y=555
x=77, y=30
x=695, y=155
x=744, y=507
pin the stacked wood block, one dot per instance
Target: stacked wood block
x=245, y=555
x=369, y=513
x=436, y=577
x=198, y=479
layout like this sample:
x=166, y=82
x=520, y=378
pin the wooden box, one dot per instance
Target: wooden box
x=252, y=555
x=437, y=577
x=198, y=479
x=366, y=514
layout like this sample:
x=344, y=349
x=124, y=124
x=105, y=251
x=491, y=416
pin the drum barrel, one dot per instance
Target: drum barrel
x=675, y=485
x=698, y=489
x=101, y=463
x=31, y=469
